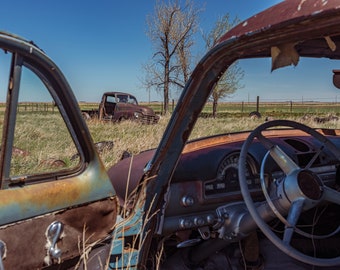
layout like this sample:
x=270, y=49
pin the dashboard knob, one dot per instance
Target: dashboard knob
x=210, y=219
x=199, y=221
x=185, y=223
x=187, y=201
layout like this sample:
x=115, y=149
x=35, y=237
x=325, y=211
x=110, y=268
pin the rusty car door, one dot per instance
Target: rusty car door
x=57, y=201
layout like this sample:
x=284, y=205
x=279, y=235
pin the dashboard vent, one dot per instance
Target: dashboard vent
x=298, y=145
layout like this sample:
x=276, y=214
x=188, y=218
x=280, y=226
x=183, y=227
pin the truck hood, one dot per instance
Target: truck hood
x=145, y=110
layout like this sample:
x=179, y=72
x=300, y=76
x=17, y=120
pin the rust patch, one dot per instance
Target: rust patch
x=19, y=152
x=53, y=163
x=284, y=11
x=91, y=222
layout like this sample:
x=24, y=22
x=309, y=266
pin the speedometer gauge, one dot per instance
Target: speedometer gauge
x=227, y=176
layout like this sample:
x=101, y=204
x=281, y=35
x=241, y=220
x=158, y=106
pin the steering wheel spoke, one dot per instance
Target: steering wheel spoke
x=286, y=164
x=331, y=195
x=293, y=217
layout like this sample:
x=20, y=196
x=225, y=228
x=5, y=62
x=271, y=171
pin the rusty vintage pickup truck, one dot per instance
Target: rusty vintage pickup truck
x=119, y=106
x=267, y=198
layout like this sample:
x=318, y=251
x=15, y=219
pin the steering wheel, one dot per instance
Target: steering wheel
x=299, y=190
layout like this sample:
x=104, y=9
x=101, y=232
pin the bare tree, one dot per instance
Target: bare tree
x=170, y=29
x=230, y=80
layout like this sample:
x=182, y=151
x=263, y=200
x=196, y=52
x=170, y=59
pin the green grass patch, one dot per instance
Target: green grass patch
x=44, y=136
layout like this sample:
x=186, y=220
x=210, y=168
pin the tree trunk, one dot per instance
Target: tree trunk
x=166, y=87
x=166, y=98
x=214, y=108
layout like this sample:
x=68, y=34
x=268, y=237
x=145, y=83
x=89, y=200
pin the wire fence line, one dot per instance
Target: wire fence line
x=263, y=106
x=37, y=107
x=32, y=107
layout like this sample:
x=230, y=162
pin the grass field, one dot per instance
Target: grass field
x=238, y=109
x=40, y=130
x=231, y=117
x=134, y=137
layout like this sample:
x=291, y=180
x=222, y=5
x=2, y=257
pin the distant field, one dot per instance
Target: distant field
x=274, y=109
x=225, y=109
x=134, y=137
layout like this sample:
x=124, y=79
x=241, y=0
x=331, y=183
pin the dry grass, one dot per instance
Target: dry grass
x=134, y=137
x=45, y=139
x=43, y=144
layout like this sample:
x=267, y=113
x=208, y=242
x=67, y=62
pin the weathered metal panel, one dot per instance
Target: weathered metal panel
x=284, y=13
x=27, y=244
x=31, y=200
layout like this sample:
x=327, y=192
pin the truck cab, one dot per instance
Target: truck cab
x=119, y=106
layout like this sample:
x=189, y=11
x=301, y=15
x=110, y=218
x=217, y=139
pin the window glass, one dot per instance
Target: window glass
x=42, y=142
x=110, y=99
x=122, y=98
x=132, y=100
x=5, y=62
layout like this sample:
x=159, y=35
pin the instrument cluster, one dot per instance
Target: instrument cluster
x=227, y=180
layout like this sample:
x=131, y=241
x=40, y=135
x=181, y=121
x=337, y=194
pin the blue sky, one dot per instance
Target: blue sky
x=101, y=45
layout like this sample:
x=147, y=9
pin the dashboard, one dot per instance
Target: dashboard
x=206, y=178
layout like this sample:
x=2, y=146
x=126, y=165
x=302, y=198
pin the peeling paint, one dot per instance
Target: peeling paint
x=281, y=13
x=300, y=5
x=330, y=43
x=316, y=12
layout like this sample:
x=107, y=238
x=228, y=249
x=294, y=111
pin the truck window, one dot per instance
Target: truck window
x=110, y=99
x=42, y=143
x=122, y=98
x=132, y=100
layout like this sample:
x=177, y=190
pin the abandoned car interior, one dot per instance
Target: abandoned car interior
x=262, y=198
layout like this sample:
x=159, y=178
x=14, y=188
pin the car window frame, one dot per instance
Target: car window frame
x=19, y=61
